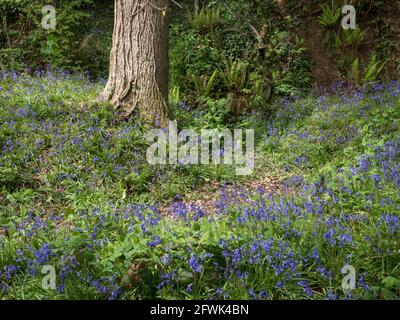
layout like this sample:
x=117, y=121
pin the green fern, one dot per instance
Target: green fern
x=329, y=16
x=329, y=19
x=205, y=18
x=174, y=95
x=210, y=83
x=204, y=84
x=354, y=74
x=373, y=69
x=370, y=74
x=353, y=38
x=235, y=75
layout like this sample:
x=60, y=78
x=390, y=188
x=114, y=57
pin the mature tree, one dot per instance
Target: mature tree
x=138, y=75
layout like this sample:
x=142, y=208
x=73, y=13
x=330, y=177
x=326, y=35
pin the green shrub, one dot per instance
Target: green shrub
x=22, y=33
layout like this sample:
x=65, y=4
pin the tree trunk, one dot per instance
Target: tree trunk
x=138, y=75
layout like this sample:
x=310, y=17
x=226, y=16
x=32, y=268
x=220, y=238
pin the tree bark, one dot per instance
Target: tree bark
x=138, y=76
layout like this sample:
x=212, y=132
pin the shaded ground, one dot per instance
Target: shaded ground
x=325, y=70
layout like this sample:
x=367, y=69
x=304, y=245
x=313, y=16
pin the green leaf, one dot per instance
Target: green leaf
x=391, y=282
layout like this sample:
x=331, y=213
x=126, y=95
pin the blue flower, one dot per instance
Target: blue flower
x=264, y=295
x=376, y=178
x=219, y=292
x=155, y=242
x=194, y=264
x=252, y=294
x=280, y=284
x=362, y=283
x=306, y=287
x=115, y=294
x=331, y=296
x=345, y=239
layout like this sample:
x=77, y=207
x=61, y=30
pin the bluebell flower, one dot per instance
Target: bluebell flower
x=362, y=283
x=194, y=264
x=345, y=239
x=157, y=241
x=61, y=288
x=264, y=295
x=115, y=294
x=306, y=287
x=252, y=294
x=166, y=259
x=219, y=292
x=331, y=296
x=376, y=178
x=280, y=284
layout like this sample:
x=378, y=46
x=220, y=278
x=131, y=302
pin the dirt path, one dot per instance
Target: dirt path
x=209, y=197
x=266, y=180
